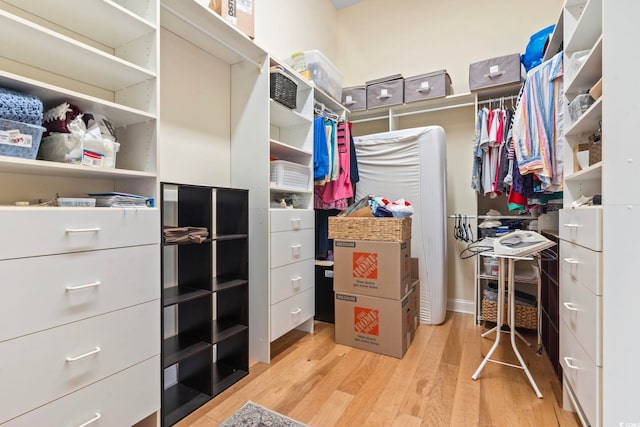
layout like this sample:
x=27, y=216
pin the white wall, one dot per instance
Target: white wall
x=377, y=38
x=283, y=27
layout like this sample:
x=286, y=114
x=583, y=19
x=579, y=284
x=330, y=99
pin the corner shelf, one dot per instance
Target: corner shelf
x=205, y=296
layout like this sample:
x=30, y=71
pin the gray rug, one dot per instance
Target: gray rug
x=254, y=415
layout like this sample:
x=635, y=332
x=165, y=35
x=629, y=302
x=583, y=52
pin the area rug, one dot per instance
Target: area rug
x=254, y=415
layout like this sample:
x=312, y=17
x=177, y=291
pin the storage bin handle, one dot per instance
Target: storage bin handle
x=494, y=74
x=92, y=420
x=349, y=103
x=424, y=87
x=569, y=362
x=384, y=96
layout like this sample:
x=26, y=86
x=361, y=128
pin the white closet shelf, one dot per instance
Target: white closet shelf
x=289, y=190
x=118, y=115
x=592, y=173
x=556, y=38
x=588, y=28
x=282, y=116
x=45, y=168
x=284, y=151
x=96, y=24
x=328, y=101
x=588, y=74
x=207, y=30
x=587, y=123
x=418, y=107
x=42, y=48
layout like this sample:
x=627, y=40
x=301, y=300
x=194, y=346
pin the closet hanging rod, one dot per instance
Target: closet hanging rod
x=500, y=99
x=211, y=36
x=527, y=217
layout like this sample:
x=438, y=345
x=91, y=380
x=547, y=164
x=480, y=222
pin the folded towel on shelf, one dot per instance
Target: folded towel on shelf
x=184, y=234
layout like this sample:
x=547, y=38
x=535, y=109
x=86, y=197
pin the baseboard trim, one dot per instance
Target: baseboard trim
x=461, y=306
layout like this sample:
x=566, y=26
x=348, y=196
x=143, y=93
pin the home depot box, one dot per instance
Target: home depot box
x=375, y=268
x=238, y=13
x=381, y=325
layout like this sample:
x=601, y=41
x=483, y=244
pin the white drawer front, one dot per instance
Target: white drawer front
x=581, y=311
x=43, y=292
x=582, y=373
x=46, y=231
x=41, y=367
x=291, y=246
x=291, y=219
x=291, y=279
x=582, y=226
x=291, y=312
x=122, y=399
x=583, y=265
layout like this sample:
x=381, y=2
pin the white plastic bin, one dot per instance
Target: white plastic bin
x=289, y=175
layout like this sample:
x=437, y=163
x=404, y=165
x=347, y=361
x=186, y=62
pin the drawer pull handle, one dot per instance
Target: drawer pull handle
x=88, y=285
x=571, y=306
x=494, y=74
x=571, y=225
x=295, y=223
x=295, y=249
x=92, y=420
x=295, y=282
x=296, y=311
x=569, y=361
x=571, y=261
x=82, y=356
x=82, y=230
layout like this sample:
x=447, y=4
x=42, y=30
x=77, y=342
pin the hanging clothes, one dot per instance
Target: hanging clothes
x=537, y=128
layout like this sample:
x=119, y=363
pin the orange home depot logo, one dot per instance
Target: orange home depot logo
x=366, y=320
x=365, y=265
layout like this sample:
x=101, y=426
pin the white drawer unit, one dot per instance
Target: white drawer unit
x=291, y=312
x=119, y=400
x=291, y=279
x=291, y=246
x=291, y=219
x=65, y=288
x=581, y=311
x=582, y=374
x=45, y=366
x=46, y=231
x=582, y=226
x=582, y=265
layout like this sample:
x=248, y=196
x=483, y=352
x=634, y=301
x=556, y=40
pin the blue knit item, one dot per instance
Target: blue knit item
x=20, y=107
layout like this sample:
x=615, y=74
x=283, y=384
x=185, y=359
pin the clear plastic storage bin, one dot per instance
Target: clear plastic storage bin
x=19, y=139
x=320, y=71
x=579, y=105
x=289, y=175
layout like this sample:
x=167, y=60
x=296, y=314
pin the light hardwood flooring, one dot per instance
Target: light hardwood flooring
x=318, y=382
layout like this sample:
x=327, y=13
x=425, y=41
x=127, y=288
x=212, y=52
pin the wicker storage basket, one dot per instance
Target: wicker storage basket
x=363, y=228
x=283, y=89
x=526, y=317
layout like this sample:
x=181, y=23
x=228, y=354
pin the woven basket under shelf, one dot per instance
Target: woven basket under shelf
x=365, y=228
x=526, y=317
x=283, y=89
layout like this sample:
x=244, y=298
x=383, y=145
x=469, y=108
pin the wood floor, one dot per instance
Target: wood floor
x=320, y=383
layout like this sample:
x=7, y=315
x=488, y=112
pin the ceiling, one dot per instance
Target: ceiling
x=341, y=4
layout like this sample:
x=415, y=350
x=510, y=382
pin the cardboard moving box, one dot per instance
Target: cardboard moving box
x=375, y=268
x=239, y=13
x=380, y=325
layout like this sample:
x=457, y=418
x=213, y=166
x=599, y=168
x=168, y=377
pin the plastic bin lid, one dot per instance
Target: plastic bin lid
x=384, y=79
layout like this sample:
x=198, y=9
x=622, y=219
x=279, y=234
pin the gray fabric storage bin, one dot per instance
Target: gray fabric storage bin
x=503, y=70
x=425, y=86
x=385, y=91
x=355, y=98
